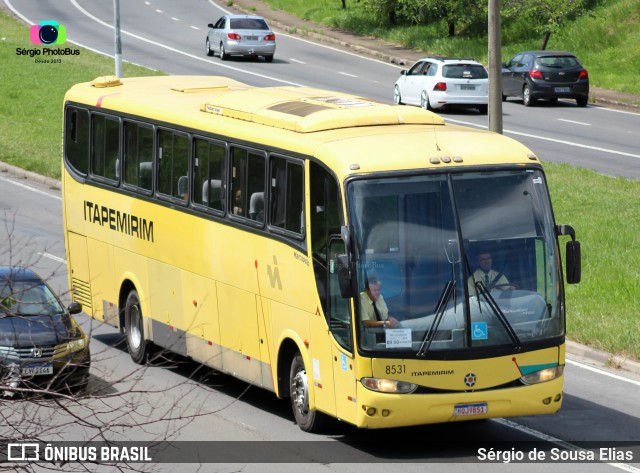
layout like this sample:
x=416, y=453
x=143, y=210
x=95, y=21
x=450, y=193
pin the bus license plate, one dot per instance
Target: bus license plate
x=470, y=409
x=467, y=87
x=37, y=370
x=562, y=90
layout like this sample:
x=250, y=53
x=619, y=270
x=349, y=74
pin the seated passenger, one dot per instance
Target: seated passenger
x=492, y=279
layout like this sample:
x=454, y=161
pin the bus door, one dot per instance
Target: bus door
x=341, y=327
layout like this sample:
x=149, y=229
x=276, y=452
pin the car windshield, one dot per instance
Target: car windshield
x=248, y=24
x=558, y=61
x=424, y=239
x=464, y=71
x=27, y=298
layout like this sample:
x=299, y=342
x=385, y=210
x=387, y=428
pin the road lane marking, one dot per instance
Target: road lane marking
x=296, y=60
x=55, y=258
x=24, y=186
x=602, y=372
x=573, y=121
x=554, y=140
x=560, y=443
x=346, y=74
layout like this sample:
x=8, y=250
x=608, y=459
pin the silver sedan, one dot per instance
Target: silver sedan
x=241, y=35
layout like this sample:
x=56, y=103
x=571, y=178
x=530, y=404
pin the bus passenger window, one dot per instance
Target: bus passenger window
x=106, y=147
x=173, y=158
x=208, y=172
x=247, y=180
x=138, y=155
x=287, y=194
x=77, y=139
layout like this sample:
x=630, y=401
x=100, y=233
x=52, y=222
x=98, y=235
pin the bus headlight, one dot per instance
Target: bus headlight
x=544, y=375
x=388, y=385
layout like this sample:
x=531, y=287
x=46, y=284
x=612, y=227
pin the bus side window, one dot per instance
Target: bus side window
x=173, y=162
x=138, y=155
x=76, y=139
x=247, y=179
x=287, y=194
x=208, y=172
x=105, y=150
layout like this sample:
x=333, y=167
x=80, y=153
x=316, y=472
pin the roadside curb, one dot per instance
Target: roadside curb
x=593, y=356
x=23, y=174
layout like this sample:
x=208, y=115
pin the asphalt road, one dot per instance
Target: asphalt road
x=183, y=402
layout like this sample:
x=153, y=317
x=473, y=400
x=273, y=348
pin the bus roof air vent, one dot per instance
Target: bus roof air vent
x=106, y=81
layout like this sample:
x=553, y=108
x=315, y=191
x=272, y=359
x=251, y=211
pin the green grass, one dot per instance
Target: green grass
x=606, y=40
x=602, y=309
x=32, y=93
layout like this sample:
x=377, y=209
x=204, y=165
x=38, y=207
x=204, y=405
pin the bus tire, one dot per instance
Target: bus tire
x=137, y=346
x=307, y=419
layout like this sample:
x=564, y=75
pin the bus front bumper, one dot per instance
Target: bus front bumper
x=380, y=410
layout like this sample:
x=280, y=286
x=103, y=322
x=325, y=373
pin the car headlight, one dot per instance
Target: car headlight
x=77, y=345
x=544, y=375
x=388, y=385
x=8, y=353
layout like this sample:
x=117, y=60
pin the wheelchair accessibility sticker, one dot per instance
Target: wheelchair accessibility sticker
x=343, y=360
x=479, y=331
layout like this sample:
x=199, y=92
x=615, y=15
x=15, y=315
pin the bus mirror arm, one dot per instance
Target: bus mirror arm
x=572, y=254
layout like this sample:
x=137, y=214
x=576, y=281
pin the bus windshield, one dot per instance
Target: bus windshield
x=461, y=261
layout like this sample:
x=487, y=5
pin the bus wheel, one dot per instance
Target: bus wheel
x=136, y=344
x=307, y=420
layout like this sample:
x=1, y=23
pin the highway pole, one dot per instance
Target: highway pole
x=116, y=32
x=495, y=68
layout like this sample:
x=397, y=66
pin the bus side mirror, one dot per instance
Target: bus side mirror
x=573, y=262
x=572, y=255
x=345, y=280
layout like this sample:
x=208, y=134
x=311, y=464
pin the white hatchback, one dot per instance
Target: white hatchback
x=435, y=83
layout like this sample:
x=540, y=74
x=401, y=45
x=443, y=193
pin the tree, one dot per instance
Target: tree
x=546, y=16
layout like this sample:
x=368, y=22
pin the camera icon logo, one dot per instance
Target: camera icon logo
x=48, y=32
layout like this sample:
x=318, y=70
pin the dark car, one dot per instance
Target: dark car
x=549, y=75
x=41, y=344
x=241, y=35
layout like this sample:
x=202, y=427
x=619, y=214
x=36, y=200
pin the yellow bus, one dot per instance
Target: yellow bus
x=252, y=229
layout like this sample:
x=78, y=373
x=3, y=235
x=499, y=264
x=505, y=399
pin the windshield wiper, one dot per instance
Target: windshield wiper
x=445, y=297
x=482, y=290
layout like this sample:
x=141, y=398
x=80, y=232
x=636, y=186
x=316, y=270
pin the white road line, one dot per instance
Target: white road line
x=346, y=74
x=194, y=27
x=573, y=121
x=554, y=140
x=558, y=442
x=602, y=372
x=24, y=186
x=296, y=60
x=53, y=257
x=175, y=19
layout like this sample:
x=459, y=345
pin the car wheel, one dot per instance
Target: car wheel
x=504, y=98
x=424, y=101
x=223, y=55
x=208, y=48
x=582, y=101
x=397, y=97
x=138, y=347
x=483, y=109
x=526, y=96
x=307, y=419
x=268, y=58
